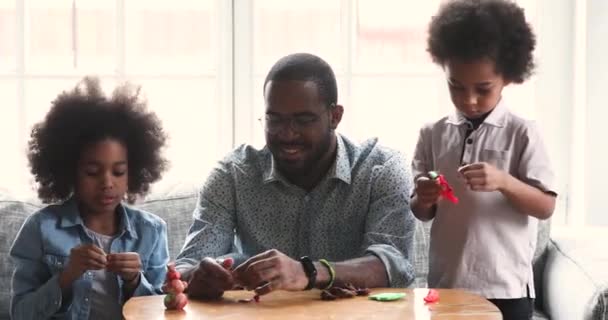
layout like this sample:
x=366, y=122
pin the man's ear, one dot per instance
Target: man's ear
x=336, y=115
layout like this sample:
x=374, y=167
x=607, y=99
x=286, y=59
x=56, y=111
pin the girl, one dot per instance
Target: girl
x=84, y=256
x=495, y=160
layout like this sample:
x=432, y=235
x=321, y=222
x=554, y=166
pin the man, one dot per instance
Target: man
x=311, y=209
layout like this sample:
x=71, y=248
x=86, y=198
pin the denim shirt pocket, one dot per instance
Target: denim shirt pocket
x=55, y=263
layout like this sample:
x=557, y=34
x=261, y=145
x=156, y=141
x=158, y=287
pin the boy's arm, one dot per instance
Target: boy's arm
x=421, y=164
x=528, y=199
x=532, y=190
x=421, y=211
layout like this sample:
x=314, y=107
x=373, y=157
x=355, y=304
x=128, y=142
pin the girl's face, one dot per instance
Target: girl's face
x=102, y=176
x=475, y=87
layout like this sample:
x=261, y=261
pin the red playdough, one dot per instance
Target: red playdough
x=446, y=190
x=174, y=287
x=432, y=296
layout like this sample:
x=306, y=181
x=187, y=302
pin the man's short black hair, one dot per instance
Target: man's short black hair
x=468, y=30
x=306, y=67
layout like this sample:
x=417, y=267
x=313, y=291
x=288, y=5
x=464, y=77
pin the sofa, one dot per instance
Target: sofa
x=571, y=271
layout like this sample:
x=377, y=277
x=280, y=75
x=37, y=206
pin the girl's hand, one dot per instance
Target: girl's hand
x=126, y=264
x=82, y=258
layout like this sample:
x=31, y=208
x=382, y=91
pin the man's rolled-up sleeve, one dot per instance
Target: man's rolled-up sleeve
x=390, y=224
x=212, y=231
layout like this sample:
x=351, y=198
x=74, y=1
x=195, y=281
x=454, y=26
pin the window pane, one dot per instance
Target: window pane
x=284, y=27
x=172, y=36
x=191, y=115
x=40, y=93
x=596, y=113
x=521, y=98
x=13, y=170
x=377, y=111
x=390, y=35
x=59, y=41
x=7, y=36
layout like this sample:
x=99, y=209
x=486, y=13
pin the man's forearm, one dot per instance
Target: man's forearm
x=364, y=272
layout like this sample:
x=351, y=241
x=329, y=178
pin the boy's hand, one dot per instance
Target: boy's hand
x=427, y=191
x=82, y=258
x=125, y=264
x=482, y=176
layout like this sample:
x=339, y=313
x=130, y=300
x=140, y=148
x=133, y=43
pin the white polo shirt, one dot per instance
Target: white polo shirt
x=483, y=244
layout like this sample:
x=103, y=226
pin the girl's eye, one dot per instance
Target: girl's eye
x=119, y=173
x=90, y=173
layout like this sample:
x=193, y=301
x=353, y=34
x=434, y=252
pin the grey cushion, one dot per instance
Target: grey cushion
x=576, y=277
x=177, y=213
x=421, y=253
x=13, y=214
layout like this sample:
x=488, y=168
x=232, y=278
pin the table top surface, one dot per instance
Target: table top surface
x=452, y=304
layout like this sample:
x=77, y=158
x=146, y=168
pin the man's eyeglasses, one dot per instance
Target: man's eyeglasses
x=274, y=123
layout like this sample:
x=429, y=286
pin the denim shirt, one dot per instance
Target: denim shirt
x=42, y=248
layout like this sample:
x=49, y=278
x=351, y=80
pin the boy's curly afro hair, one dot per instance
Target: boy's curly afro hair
x=83, y=116
x=468, y=30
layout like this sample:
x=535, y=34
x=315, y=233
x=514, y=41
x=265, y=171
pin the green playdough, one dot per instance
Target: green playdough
x=387, y=296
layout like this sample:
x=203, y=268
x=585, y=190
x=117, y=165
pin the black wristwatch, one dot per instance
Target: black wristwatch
x=310, y=270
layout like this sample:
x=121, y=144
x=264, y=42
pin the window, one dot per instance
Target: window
x=173, y=50
x=202, y=63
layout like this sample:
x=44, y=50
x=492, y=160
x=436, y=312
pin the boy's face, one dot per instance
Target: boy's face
x=102, y=176
x=475, y=87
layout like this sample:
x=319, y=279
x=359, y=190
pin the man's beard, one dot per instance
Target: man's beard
x=307, y=164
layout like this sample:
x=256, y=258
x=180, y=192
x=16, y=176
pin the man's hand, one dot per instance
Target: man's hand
x=126, y=264
x=483, y=176
x=271, y=270
x=210, y=279
x=82, y=258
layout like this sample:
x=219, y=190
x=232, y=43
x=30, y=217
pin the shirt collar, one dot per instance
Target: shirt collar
x=339, y=170
x=496, y=118
x=70, y=217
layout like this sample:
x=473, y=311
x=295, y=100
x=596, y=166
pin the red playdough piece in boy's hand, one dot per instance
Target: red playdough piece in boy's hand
x=446, y=190
x=432, y=296
x=174, y=286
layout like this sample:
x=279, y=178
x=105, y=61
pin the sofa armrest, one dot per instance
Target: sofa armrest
x=576, y=276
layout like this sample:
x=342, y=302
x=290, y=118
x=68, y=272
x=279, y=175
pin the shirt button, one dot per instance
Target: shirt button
x=86, y=299
x=469, y=141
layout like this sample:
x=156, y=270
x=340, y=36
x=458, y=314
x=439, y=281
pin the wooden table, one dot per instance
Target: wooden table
x=452, y=304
